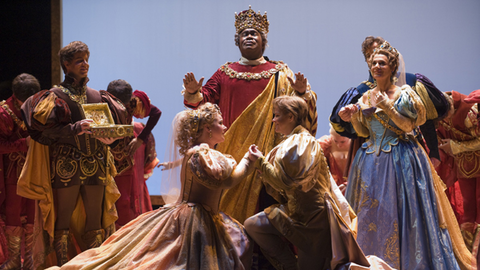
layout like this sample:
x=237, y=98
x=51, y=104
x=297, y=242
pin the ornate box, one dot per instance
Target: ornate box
x=103, y=124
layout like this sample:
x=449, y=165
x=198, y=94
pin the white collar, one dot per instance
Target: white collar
x=244, y=61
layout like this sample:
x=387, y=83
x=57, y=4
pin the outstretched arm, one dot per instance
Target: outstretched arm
x=192, y=87
x=191, y=84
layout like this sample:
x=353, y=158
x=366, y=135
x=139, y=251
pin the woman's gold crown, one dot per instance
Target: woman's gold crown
x=386, y=46
x=250, y=19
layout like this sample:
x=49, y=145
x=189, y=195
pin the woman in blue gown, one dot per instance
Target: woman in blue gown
x=390, y=185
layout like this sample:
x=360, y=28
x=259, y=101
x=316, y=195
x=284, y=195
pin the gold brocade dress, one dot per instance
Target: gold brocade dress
x=191, y=234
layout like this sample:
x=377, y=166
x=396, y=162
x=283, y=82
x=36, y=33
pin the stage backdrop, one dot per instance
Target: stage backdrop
x=152, y=44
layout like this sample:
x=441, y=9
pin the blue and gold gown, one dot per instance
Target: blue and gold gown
x=393, y=191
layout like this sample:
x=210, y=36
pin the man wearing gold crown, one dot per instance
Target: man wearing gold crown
x=244, y=91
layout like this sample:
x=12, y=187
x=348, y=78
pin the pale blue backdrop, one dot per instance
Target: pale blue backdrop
x=152, y=44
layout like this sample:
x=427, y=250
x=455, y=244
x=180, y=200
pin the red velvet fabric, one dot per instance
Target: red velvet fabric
x=233, y=95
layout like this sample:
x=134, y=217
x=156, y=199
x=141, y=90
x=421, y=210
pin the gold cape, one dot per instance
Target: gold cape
x=254, y=126
x=34, y=183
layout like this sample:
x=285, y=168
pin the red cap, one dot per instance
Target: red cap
x=474, y=97
x=145, y=107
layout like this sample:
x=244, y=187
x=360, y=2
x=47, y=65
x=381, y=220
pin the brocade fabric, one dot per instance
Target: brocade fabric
x=396, y=197
x=190, y=234
x=246, y=107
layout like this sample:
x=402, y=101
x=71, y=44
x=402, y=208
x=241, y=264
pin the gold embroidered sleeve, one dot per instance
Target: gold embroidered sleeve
x=270, y=175
x=407, y=124
x=465, y=146
x=358, y=124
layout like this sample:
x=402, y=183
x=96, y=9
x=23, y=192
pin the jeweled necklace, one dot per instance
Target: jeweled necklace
x=79, y=98
x=266, y=74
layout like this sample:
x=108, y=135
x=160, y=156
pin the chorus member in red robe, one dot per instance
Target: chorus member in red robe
x=335, y=148
x=459, y=137
x=135, y=157
x=14, y=140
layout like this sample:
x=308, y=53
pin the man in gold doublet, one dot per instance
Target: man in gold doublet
x=67, y=170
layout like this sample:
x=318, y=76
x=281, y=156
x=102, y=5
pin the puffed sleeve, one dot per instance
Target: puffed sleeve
x=407, y=111
x=118, y=110
x=48, y=118
x=216, y=170
x=358, y=121
x=292, y=163
x=211, y=167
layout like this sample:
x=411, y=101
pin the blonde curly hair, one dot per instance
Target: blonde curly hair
x=191, y=123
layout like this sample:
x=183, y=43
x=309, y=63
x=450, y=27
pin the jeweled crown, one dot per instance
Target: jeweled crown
x=386, y=46
x=250, y=19
x=194, y=121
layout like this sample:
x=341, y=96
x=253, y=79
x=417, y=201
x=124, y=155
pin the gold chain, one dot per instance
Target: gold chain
x=80, y=99
x=266, y=74
x=370, y=84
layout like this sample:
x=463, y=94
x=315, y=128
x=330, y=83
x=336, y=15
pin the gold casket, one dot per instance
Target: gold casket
x=103, y=125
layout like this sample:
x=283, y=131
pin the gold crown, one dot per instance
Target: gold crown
x=250, y=19
x=386, y=46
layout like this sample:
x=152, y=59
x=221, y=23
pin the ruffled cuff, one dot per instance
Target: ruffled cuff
x=192, y=98
x=306, y=96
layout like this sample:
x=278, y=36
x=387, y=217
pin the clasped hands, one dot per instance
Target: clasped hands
x=347, y=112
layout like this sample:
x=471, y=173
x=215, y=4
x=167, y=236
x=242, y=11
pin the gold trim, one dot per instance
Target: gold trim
x=447, y=124
x=391, y=246
x=427, y=102
x=382, y=121
x=103, y=125
x=266, y=74
x=80, y=99
x=17, y=121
